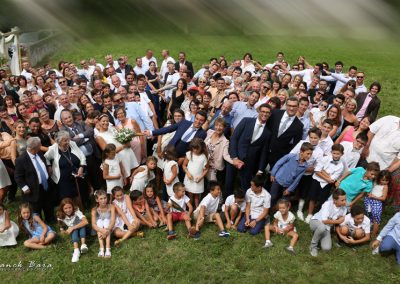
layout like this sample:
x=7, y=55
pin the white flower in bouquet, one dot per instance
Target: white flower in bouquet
x=125, y=135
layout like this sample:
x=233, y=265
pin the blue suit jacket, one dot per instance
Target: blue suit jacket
x=241, y=147
x=180, y=129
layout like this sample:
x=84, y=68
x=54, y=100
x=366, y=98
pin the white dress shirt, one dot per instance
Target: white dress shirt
x=385, y=146
x=42, y=165
x=260, y=126
x=284, y=117
x=351, y=156
x=333, y=169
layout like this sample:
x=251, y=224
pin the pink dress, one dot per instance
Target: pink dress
x=135, y=143
x=348, y=136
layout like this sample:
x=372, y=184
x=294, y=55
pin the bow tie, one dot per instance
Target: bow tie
x=335, y=162
x=355, y=150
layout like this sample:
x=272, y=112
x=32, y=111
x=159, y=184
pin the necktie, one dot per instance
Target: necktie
x=283, y=127
x=257, y=129
x=41, y=173
x=190, y=133
x=334, y=162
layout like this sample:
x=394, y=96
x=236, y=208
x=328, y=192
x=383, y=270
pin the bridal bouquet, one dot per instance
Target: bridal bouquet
x=125, y=135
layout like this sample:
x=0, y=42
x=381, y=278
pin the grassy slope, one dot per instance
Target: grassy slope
x=239, y=258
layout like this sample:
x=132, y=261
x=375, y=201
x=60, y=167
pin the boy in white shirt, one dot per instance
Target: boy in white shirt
x=207, y=212
x=326, y=141
x=233, y=209
x=258, y=202
x=332, y=213
x=352, y=150
x=326, y=173
x=314, y=136
x=356, y=227
x=178, y=205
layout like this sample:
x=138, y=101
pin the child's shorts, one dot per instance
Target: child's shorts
x=207, y=218
x=318, y=193
x=178, y=216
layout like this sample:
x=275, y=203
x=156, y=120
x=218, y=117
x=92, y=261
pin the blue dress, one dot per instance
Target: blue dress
x=37, y=229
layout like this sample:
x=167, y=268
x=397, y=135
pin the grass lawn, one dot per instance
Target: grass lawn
x=240, y=258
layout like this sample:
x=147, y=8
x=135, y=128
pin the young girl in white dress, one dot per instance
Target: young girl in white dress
x=113, y=171
x=126, y=221
x=103, y=220
x=4, y=180
x=170, y=169
x=8, y=229
x=195, y=166
x=143, y=174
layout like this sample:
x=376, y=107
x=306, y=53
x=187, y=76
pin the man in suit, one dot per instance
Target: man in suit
x=249, y=149
x=182, y=61
x=4, y=92
x=32, y=176
x=185, y=132
x=40, y=104
x=368, y=104
x=224, y=113
x=123, y=68
x=83, y=136
x=287, y=131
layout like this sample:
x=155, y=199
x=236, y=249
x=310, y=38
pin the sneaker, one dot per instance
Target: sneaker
x=290, y=250
x=192, y=231
x=196, y=236
x=313, y=252
x=308, y=219
x=171, y=235
x=268, y=244
x=101, y=253
x=84, y=248
x=375, y=251
x=107, y=254
x=75, y=256
x=300, y=215
x=224, y=234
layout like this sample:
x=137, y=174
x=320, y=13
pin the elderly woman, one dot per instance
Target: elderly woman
x=67, y=162
x=106, y=135
x=217, y=146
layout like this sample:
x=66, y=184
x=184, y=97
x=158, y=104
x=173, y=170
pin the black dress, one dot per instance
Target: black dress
x=152, y=77
x=176, y=102
x=66, y=186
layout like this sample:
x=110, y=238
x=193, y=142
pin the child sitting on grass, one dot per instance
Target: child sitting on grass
x=258, y=202
x=233, y=209
x=142, y=209
x=178, y=205
x=207, y=211
x=283, y=225
x=332, y=213
x=40, y=234
x=355, y=228
x=69, y=215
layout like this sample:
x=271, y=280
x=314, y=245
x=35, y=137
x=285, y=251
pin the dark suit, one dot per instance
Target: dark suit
x=128, y=68
x=180, y=128
x=254, y=155
x=282, y=145
x=372, y=108
x=188, y=64
x=11, y=93
x=26, y=175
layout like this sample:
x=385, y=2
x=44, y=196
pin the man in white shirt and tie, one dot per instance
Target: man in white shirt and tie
x=32, y=177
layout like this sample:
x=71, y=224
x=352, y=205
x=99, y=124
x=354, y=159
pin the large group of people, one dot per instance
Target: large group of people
x=237, y=144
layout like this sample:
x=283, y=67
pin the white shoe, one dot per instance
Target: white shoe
x=300, y=215
x=308, y=219
x=101, y=253
x=375, y=251
x=268, y=244
x=84, y=248
x=107, y=254
x=75, y=256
